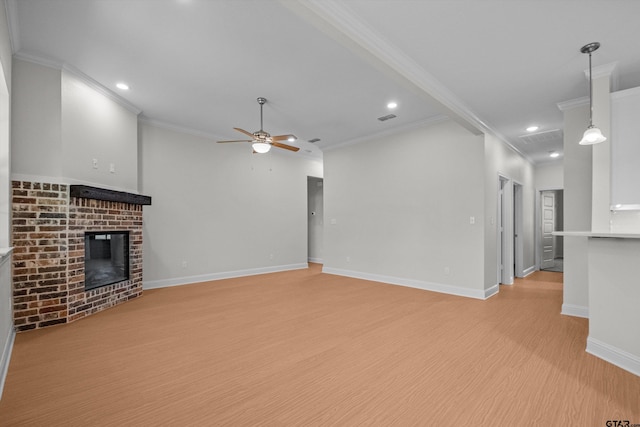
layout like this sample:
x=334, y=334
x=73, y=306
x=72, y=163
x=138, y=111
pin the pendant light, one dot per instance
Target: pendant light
x=592, y=135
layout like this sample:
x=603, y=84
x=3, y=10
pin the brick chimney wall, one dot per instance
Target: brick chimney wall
x=48, y=229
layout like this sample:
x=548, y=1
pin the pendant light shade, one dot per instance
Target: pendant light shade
x=261, y=147
x=593, y=135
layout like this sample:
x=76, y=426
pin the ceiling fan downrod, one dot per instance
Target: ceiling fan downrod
x=261, y=101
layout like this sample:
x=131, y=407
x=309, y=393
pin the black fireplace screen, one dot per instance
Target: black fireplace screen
x=106, y=258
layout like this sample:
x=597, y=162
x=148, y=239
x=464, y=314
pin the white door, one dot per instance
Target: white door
x=548, y=224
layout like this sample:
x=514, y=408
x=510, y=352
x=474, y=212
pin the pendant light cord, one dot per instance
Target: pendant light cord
x=590, y=94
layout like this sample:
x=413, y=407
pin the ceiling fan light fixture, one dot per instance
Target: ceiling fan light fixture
x=592, y=135
x=261, y=147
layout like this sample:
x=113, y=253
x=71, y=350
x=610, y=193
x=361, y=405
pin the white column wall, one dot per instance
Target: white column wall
x=577, y=211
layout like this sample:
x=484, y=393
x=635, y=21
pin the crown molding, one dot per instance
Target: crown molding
x=211, y=136
x=606, y=70
x=11, y=9
x=390, y=131
x=177, y=128
x=89, y=81
x=573, y=103
x=340, y=18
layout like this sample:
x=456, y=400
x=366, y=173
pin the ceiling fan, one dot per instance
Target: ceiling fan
x=261, y=140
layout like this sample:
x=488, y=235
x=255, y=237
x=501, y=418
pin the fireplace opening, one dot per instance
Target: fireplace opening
x=106, y=258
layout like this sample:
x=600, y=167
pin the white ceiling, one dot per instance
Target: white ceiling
x=328, y=68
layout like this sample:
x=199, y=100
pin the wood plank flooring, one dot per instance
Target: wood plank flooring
x=303, y=348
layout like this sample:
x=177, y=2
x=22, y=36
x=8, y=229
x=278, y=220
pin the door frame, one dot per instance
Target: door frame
x=538, y=223
x=504, y=240
x=518, y=227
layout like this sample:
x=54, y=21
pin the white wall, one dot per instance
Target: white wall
x=398, y=208
x=218, y=210
x=36, y=148
x=549, y=176
x=577, y=211
x=500, y=159
x=60, y=124
x=96, y=127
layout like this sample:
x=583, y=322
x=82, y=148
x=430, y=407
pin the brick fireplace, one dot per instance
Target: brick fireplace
x=49, y=222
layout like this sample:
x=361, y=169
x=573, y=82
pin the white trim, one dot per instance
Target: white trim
x=391, y=131
x=528, y=271
x=488, y=293
x=337, y=14
x=634, y=91
x=316, y=260
x=575, y=310
x=620, y=358
x=411, y=283
x=316, y=152
x=178, y=281
x=573, y=103
x=93, y=84
x=11, y=8
x=178, y=129
x=606, y=70
x=5, y=358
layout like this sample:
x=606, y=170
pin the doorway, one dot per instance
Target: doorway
x=315, y=219
x=505, y=239
x=551, y=248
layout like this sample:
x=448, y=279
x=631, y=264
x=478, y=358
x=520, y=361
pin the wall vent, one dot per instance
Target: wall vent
x=541, y=137
x=387, y=117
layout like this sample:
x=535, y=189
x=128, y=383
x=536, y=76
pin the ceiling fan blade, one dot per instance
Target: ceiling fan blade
x=237, y=140
x=245, y=132
x=282, y=137
x=285, y=146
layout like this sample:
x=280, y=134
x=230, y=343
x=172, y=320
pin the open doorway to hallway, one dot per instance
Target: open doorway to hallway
x=551, y=248
x=315, y=219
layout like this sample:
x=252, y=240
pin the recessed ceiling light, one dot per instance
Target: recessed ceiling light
x=532, y=128
x=392, y=105
x=554, y=154
x=122, y=86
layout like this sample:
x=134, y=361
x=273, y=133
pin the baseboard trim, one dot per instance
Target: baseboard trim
x=178, y=281
x=622, y=359
x=410, y=283
x=575, y=310
x=5, y=358
x=529, y=271
x=488, y=293
x=315, y=260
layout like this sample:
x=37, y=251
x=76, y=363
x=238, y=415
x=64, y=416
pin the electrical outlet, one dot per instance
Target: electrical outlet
x=112, y=167
x=94, y=163
x=472, y=220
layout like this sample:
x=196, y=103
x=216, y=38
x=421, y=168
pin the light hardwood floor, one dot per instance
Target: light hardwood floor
x=303, y=348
